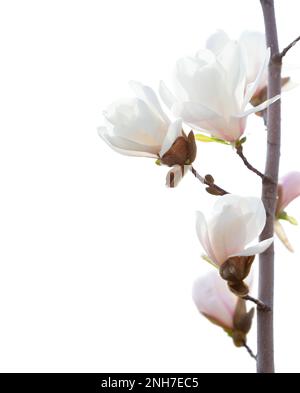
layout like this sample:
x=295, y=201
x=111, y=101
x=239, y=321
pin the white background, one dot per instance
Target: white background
x=97, y=257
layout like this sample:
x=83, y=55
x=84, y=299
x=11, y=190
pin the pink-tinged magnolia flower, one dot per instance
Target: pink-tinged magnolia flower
x=234, y=223
x=288, y=190
x=139, y=127
x=212, y=93
x=220, y=306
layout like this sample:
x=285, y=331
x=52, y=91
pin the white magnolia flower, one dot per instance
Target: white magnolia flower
x=212, y=91
x=220, y=306
x=139, y=127
x=234, y=223
x=253, y=46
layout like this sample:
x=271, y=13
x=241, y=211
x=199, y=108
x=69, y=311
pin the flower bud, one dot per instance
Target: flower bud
x=242, y=322
x=234, y=271
x=182, y=152
x=288, y=190
x=234, y=223
x=222, y=308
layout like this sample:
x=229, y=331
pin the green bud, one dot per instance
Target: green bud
x=240, y=141
x=286, y=217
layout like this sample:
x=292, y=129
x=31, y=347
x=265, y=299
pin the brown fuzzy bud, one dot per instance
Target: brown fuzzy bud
x=242, y=322
x=209, y=179
x=182, y=152
x=234, y=271
x=239, y=338
x=213, y=191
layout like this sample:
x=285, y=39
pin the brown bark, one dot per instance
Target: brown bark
x=265, y=338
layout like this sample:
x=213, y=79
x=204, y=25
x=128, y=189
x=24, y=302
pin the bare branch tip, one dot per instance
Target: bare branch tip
x=287, y=48
x=249, y=350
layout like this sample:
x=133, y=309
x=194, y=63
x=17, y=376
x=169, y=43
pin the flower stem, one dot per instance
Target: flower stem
x=240, y=153
x=249, y=350
x=265, y=338
x=260, y=305
x=197, y=175
x=209, y=181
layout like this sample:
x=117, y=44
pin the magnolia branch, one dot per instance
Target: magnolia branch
x=265, y=335
x=209, y=181
x=286, y=49
x=240, y=153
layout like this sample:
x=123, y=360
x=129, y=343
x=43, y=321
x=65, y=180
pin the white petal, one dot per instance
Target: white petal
x=205, y=57
x=134, y=120
x=195, y=113
x=251, y=210
x=146, y=94
x=255, y=249
x=201, y=83
x=260, y=78
x=232, y=61
x=217, y=41
x=175, y=175
x=165, y=94
x=124, y=146
x=204, y=119
x=227, y=232
x=121, y=111
x=282, y=235
x=236, y=222
x=174, y=131
x=254, y=46
x=260, y=107
x=202, y=232
x=289, y=189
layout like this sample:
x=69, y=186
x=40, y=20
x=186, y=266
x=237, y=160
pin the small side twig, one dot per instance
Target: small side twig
x=249, y=350
x=197, y=175
x=209, y=181
x=286, y=49
x=260, y=305
x=240, y=153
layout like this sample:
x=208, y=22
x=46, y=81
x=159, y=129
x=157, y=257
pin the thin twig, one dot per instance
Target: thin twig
x=209, y=181
x=249, y=350
x=286, y=49
x=260, y=305
x=197, y=175
x=239, y=151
